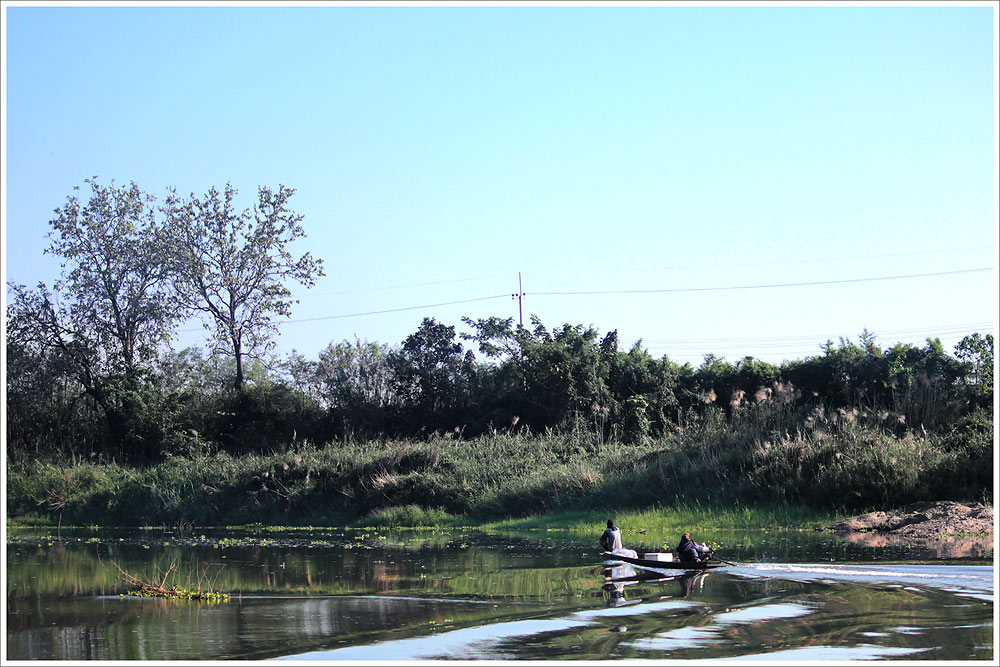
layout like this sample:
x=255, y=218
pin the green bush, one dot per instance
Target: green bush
x=972, y=434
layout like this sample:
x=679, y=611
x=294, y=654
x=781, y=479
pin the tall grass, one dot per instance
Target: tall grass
x=696, y=517
x=765, y=455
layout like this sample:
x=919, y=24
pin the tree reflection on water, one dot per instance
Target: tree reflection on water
x=550, y=597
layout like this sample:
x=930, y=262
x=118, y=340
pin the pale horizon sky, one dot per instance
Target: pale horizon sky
x=832, y=166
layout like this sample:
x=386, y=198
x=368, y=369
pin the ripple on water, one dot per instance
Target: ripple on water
x=811, y=653
x=691, y=637
x=678, y=639
x=456, y=644
x=477, y=642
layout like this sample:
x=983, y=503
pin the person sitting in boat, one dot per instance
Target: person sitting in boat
x=611, y=541
x=688, y=551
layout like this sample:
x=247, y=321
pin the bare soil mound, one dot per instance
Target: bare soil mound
x=924, y=521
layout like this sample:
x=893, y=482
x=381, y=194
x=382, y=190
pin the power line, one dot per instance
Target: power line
x=396, y=310
x=745, y=287
x=773, y=263
x=380, y=312
x=662, y=268
x=424, y=284
x=642, y=291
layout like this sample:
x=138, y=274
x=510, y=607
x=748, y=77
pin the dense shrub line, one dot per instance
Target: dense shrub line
x=762, y=453
x=568, y=380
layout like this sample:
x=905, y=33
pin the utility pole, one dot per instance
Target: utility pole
x=519, y=296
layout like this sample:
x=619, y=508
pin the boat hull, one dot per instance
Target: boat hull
x=664, y=564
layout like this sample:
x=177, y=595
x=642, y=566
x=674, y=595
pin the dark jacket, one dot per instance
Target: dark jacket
x=687, y=551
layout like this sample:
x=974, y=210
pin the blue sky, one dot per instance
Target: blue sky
x=439, y=151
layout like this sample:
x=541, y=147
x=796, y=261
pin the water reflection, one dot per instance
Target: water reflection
x=956, y=547
x=617, y=578
x=468, y=596
x=117, y=629
x=829, y=653
x=704, y=634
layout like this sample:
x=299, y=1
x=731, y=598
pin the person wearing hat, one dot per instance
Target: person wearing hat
x=688, y=551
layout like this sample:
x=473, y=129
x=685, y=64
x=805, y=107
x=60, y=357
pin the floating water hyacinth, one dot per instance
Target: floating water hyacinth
x=176, y=593
x=147, y=589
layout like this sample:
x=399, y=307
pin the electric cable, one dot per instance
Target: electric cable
x=768, y=286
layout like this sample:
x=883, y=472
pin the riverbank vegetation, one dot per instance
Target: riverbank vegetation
x=891, y=427
x=107, y=423
x=743, y=460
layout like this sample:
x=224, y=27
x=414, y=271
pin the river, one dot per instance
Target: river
x=332, y=594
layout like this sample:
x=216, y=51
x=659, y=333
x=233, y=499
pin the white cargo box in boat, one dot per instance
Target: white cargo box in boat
x=665, y=557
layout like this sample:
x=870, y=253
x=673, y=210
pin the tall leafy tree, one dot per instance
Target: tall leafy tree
x=116, y=273
x=48, y=372
x=558, y=378
x=110, y=309
x=565, y=373
x=497, y=337
x=232, y=266
x=637, y=375
x=356, y=382
x=355, y=374
x=976, y=352
x=431, y=372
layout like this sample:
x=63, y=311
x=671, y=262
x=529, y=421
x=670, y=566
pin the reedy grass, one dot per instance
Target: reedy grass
x=764, y=465
x=693, y=517
x=410, y=516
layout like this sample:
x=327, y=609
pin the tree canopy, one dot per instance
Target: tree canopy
x=232, y=265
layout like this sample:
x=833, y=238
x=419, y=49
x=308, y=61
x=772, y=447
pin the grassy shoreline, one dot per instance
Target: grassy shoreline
x=677, y=518
x=755, y=470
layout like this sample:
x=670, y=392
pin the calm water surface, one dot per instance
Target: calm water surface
x=322, y=594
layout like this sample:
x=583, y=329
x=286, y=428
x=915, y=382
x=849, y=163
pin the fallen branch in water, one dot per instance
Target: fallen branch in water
x=149, y=589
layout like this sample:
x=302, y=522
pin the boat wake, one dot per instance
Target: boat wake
x=964, y=579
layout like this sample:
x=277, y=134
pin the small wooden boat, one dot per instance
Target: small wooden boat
x=665, y=564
